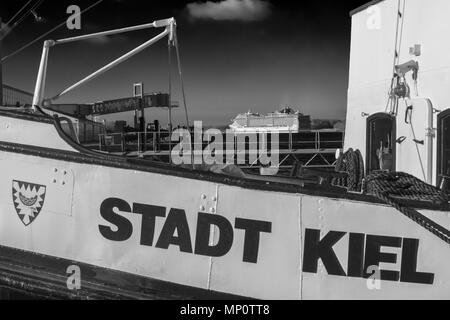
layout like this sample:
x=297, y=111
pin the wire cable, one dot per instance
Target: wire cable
x=29, y=12
x=392, y=103
x=18, y=12
x=182, y=82
x=180, y=72
x=170, y=85
x=26, y=15
x=417, y=145
x=47, y=33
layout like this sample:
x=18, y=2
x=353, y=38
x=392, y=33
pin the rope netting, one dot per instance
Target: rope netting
x=393, y=188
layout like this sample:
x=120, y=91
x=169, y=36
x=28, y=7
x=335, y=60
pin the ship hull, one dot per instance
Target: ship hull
x=37, y=276
x=214, y=234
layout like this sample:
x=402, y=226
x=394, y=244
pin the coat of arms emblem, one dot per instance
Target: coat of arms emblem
x=28, y=200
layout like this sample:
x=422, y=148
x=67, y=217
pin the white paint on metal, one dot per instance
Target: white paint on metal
x=31, y=133
x=355, y=217
x=413, y=157
x=42, y=75
x=300, y=226
x=276, y=275
x=370, y=76
x=58, y=180
x=72, y=232
x=213, y=236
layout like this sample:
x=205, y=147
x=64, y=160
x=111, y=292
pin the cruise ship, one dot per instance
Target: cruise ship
x=286, y=120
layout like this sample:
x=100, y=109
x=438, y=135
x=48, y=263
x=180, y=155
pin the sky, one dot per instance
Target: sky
x=236, y=55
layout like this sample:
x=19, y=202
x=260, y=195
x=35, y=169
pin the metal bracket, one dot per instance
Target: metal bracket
x=401, y=140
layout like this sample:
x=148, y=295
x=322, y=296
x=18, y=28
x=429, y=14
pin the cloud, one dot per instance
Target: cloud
x=230, y=10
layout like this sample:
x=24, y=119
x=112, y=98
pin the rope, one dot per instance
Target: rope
x=392, y=103
x=405, y=186
x=392, y=187
x=400, y=39
x=352, y=164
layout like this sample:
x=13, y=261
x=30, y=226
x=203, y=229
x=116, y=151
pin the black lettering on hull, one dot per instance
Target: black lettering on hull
x=364, y=252
x=177, y=232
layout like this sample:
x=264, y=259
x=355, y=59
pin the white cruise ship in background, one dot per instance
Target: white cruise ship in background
x=286, y=120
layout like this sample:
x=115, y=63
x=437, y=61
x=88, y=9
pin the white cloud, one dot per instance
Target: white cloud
x=240, y=10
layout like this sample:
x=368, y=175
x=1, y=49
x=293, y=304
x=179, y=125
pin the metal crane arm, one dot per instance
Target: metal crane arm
x=38, y=99
x=156, y=24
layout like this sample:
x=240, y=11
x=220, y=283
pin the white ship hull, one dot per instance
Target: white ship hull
x=277, y=241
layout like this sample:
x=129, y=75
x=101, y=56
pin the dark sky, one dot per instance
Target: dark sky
x=276, y=53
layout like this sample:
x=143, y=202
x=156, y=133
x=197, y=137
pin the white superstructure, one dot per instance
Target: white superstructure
x=409, y=34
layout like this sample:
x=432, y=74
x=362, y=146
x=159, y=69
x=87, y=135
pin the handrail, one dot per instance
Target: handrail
x=158, y=141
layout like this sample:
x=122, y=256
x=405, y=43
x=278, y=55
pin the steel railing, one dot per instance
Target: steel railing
x=315, y=144
x=15, y=97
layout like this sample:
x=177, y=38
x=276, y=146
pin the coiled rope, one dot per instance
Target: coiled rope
x=392, y=188
x=351, y=163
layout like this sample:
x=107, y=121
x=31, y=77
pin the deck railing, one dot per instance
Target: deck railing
x=15, y=97
x=316, y=148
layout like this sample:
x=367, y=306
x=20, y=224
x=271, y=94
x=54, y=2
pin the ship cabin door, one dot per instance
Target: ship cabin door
x=443, y=148
x=381, y=142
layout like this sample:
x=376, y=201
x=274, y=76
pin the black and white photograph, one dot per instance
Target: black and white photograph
x=224, y=155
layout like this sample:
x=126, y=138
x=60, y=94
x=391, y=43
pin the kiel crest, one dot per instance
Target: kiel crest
x=28, y=200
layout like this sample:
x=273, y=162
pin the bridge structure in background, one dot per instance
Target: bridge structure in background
x=154, y=100
x=13, y=97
